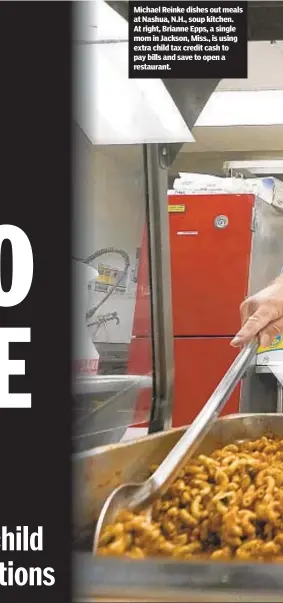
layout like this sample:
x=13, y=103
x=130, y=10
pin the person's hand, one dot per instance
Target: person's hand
x=262, y=316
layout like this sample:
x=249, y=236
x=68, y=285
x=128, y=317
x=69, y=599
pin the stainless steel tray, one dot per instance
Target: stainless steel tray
x=102, y=579
x=97, y=472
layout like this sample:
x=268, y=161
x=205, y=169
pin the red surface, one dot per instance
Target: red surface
x=209, y=271
x=209, y=281
x=140, y=363
x=200, y=364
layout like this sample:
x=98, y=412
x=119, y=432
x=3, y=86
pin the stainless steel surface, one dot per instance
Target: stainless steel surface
x=97, y=579
x=267, y=246
x=97, y=472
x=189, y=95
x=111, y=384
x=259, y=392
x=107, y=421
x=279, y=398
x=160, y=273
x=263, y=370
x=101, y=470
x=277, y=370
x=131, y=495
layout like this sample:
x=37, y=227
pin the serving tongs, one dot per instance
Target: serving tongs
x=133, y=496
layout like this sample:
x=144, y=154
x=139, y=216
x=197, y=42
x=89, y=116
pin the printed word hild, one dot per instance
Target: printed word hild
x=21, y=539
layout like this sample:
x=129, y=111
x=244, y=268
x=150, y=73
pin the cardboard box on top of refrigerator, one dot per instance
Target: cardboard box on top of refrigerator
x=269, y=189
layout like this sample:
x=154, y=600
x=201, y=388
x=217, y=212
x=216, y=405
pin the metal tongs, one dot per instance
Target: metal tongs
x=133, y=496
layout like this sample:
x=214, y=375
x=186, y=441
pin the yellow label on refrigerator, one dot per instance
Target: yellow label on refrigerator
x=176, y=209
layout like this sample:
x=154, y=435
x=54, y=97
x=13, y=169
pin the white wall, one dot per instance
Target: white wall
x=265, y=69
x=109, y=211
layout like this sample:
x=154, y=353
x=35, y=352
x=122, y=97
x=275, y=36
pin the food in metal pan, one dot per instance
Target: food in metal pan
x=225, y=506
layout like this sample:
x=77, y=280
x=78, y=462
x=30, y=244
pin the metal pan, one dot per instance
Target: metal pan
x=99, y=471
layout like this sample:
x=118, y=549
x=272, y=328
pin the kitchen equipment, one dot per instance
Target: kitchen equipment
x=224, y=247
x=85, y=354
x=131, y=496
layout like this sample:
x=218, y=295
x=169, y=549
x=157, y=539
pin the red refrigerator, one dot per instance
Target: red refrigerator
x=210, y=240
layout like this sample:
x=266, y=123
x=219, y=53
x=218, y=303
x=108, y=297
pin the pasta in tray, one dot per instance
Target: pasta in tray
x=225, y=506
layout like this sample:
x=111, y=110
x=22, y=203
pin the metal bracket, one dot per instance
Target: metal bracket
x=167, y=155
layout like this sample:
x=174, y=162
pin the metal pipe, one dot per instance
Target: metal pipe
x=111, y=383
x=160, y=276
